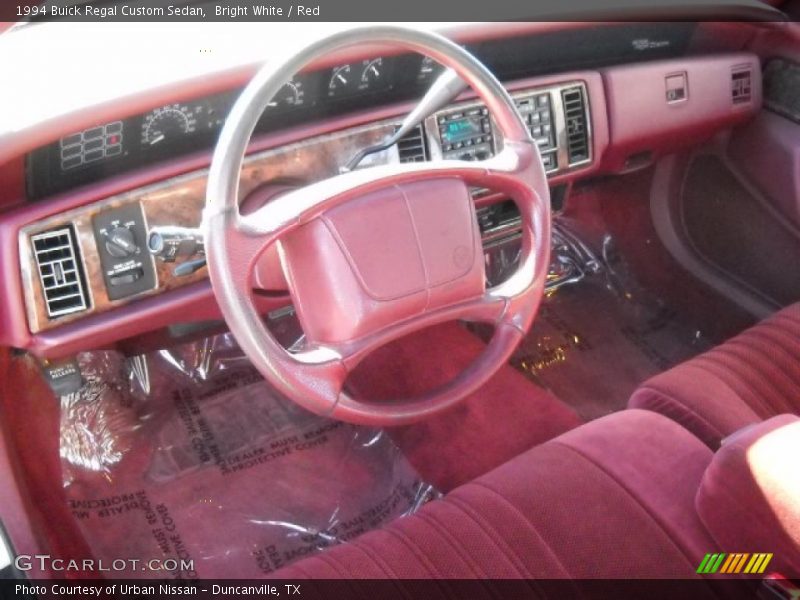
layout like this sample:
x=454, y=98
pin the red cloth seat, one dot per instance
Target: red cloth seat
x=749, y=378
x=610, y=499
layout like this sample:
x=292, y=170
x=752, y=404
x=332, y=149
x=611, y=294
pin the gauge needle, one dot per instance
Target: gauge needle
x=341, y=78
x=157, y=139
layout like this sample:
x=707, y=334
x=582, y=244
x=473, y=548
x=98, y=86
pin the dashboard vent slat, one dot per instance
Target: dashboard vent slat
x=60, y=272
x=411, y=147
x=741, y=85
x=577, y=125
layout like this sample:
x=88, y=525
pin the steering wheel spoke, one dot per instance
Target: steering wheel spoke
x=294, y=208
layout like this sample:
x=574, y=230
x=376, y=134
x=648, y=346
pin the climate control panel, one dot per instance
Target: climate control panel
x=537, y=112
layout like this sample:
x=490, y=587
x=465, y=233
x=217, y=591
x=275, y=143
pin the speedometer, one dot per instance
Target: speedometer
x=168, y=123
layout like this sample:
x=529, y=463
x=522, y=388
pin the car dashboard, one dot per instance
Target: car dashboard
x=597, y=100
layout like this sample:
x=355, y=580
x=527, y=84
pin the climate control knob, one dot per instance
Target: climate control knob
x=120, y=243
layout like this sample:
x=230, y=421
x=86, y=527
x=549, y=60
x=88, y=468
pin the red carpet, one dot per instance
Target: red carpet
x=504, y=418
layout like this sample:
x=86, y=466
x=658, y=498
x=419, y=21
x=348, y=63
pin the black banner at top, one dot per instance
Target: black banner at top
x=383, y=10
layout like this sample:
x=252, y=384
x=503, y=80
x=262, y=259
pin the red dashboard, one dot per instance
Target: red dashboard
x=619, y=115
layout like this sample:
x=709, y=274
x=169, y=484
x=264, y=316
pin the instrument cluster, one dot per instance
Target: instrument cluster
x=192, y=126
x=167, y=124
x=180, y=128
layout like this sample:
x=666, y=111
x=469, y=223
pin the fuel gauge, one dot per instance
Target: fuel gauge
x=341, y=80
x=371, y=74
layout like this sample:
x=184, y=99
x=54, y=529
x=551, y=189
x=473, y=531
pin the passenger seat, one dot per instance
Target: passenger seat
x=746, y=380
x=628, y=496
x=611, y=499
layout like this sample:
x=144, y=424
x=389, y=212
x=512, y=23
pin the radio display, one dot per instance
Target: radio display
x=461, y=129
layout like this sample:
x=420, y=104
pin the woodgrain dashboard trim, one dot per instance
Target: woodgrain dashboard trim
x=180, y=201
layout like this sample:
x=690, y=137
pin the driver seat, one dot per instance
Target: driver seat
x=614, y=498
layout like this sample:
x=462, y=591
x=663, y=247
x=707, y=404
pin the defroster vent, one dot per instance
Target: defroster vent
x=411, y=146
x=577, y=125
x=60, y=272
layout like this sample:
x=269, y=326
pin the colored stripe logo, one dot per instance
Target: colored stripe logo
x=737, y=562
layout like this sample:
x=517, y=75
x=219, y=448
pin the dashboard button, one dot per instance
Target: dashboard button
x=127, y=277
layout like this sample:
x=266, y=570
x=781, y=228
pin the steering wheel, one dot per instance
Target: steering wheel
x=374, y=254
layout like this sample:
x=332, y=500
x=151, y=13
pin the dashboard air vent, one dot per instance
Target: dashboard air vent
x=60, y=272
x=577, y=125
x=411, y=146
x=741, y=85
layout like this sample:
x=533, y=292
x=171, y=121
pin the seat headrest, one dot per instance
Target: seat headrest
x=749, y=499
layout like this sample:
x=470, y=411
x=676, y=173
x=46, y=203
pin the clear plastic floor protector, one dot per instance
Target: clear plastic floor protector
x=188, y=454
x=595, y=342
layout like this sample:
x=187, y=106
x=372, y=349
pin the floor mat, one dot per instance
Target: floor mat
x=507, y=416
x=188, y=455
x=594, y=342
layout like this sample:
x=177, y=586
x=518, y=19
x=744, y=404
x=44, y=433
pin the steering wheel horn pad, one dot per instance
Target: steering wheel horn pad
x=374, y=254
x=387, y=256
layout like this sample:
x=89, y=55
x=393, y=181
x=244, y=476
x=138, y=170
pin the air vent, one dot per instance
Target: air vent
x=60, y=272
x=411, y=146
x=577, y=125
x=741, y=85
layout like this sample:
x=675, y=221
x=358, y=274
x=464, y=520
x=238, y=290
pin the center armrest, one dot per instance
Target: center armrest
x=749, y=498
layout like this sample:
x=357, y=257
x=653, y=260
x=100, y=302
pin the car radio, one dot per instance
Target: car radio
x=466, y=134
x=557, y=118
